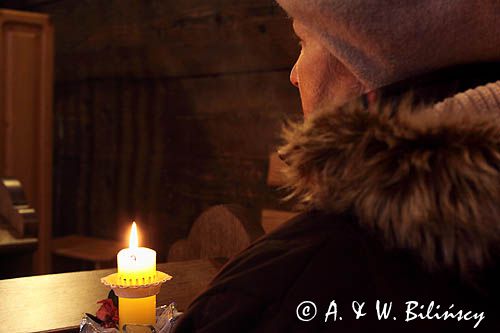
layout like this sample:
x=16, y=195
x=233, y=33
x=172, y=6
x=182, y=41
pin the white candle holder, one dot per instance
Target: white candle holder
x=136, y=288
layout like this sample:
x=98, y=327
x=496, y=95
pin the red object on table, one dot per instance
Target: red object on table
x=108, y=313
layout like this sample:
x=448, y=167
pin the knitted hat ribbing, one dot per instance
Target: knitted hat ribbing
x=385, y=41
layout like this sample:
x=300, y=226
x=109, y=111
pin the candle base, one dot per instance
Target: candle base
x=136, y=303
x=133, y=311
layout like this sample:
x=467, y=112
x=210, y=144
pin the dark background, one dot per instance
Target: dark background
x=163, y=108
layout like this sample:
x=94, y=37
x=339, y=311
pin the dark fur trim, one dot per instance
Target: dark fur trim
x=428, y=180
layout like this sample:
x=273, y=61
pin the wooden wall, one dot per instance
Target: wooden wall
x=163, y=108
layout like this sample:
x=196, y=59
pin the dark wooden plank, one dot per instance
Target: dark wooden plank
x=101, y=200
x=160, y=38
x=56, y=302
x=154, y=205
x=25, y=4
x=224, y=112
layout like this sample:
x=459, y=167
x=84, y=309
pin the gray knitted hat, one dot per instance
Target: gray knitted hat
x=383, y=41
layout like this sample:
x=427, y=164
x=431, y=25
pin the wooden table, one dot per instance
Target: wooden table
x=57, y=302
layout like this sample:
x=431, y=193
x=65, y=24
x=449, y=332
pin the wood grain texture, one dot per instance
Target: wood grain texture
x=57, y=302
x=169, y=38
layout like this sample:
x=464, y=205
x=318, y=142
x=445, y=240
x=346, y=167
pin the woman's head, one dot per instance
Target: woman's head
x=353, y=46
x=321, y=78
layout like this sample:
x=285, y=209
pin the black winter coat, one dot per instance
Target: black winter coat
x=323, y=258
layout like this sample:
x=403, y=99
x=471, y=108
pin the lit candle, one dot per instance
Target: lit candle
x=136, y=266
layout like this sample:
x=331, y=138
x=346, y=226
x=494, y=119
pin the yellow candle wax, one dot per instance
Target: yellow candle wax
x=136, y=266
x=137, y=310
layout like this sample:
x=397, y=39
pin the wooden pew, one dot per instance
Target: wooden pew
x=18, y=231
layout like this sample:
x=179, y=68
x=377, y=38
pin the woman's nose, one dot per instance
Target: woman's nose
x=294, y=77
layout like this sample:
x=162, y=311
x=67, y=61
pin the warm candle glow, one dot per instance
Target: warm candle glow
x=134, y=239
x=136, y=266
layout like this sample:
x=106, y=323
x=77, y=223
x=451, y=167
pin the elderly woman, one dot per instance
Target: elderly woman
x=397, y=170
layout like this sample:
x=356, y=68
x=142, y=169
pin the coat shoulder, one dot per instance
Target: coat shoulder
x=293, y=251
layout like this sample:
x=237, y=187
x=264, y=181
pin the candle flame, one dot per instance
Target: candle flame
x=134, y=240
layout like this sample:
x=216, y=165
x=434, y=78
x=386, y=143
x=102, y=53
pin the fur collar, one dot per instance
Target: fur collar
x=426, y=176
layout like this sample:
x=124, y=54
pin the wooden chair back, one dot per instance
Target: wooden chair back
x=219, y=232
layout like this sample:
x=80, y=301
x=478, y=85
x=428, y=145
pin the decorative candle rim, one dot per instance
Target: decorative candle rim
x=112, y=280
x=135, y=291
